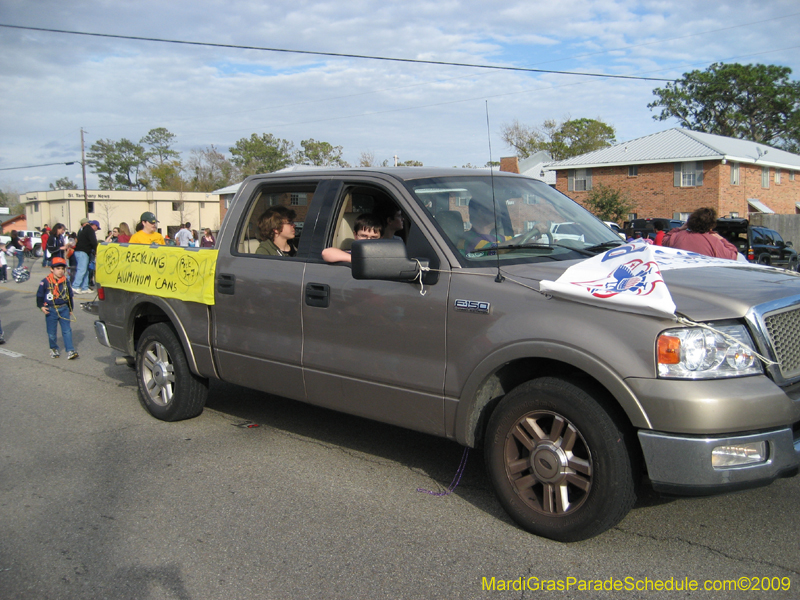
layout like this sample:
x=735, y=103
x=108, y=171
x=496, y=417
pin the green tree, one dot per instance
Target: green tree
x=320, y=154
x=561, y=140
x=609, y=204
x=64, y=183
x=261, y=154
x=160, y=151
x=164, y=168
x=754, y=102
x=409, y=163
x=118, y=165
x=210, y=170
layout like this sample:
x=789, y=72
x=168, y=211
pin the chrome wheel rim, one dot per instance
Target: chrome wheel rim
x=548, y=463
x=158, y=373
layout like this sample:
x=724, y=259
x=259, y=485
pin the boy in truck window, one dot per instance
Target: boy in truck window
x=366, y=227
x=276, y=229
x=482, y=234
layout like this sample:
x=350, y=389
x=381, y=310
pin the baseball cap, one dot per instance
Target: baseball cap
x=149, y=217
x=95, y=223
x=84, y=220
x=57, y=260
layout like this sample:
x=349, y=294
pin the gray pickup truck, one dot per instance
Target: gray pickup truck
x=444, y=330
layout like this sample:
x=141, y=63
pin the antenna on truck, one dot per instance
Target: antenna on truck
x=499, y=278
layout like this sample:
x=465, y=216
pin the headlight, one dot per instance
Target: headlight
x=697, y=353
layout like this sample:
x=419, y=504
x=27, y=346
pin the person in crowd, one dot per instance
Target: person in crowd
x=660, y=233
x=696, y=235
x=276, y=230
x=16, y=248
x=207, y=241
x=366, y=227
x=113, y=235
x=3, y=263
x=57, y=243
x=391, y=219
x=148, y=234
x=54, y=299
x=184, y=237
x=123, y=233
x=72, y=261
x=45, y=236
x=85, y=249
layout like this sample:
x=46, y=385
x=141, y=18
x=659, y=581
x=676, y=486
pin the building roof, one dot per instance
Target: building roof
x=231, y=189
x=533, y=166
x=682, y=145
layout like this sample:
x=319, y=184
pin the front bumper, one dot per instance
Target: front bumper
x=681, y=464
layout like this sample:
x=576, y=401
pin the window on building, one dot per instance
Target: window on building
x=299, y=199
x=90, y=207
x=35, y=207
x=765, y=177
x=529, y=225
x=688, y=174
x=734, y=215
x=681, y=216
x=632, y=216
x=579, y=180
x=177, y=206
x=735, y=173
x=791, y=176
x=777, y=176
x=633, y=170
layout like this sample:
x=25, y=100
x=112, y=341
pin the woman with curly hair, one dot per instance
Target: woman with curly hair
x=697, y=236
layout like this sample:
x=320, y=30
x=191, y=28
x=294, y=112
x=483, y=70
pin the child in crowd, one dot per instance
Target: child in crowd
x=54, y=298
x=3, y=263
x=366, y=227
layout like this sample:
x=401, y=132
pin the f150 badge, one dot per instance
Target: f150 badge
x=475, y=306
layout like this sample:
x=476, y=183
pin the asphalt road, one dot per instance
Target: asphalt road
x=99, y=500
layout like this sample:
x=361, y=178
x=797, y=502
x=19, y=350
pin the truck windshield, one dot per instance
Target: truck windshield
x=511, y=218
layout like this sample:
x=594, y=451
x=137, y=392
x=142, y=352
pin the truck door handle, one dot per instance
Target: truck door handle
x=226, y=283
x=318, y=294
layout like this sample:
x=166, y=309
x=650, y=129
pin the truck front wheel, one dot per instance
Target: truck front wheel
x=558, y=461
x=167, y=387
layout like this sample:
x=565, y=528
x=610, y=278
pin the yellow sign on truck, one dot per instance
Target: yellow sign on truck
x=165, y=271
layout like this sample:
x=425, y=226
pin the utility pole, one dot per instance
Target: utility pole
x=83, y=169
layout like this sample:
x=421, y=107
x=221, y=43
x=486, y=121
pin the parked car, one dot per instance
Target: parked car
x=760, y=245
x=645, y=227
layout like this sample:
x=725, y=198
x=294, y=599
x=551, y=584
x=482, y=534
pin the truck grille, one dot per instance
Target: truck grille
x=783, y=330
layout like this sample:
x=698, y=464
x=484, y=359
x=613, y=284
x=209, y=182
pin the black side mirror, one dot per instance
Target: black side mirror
x=383, y=259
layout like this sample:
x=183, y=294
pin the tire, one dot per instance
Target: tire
x=168, y=389
x=37, y=251
x=559, y=463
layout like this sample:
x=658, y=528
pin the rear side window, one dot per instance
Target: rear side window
x=294, y=197
x=759, y=237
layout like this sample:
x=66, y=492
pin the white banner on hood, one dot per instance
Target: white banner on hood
x=628, y=278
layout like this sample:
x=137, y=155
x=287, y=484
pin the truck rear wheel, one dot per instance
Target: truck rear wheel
x=167, y=387
x=558, y=461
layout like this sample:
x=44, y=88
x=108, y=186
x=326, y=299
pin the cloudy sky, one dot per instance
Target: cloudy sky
x=54, y=84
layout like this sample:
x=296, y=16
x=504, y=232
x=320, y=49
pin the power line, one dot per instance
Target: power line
x=36, y=166
x=331, y=54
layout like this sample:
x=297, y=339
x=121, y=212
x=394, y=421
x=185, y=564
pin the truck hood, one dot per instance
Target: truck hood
x=699, y=293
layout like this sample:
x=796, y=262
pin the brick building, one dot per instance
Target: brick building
x=674, y=172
